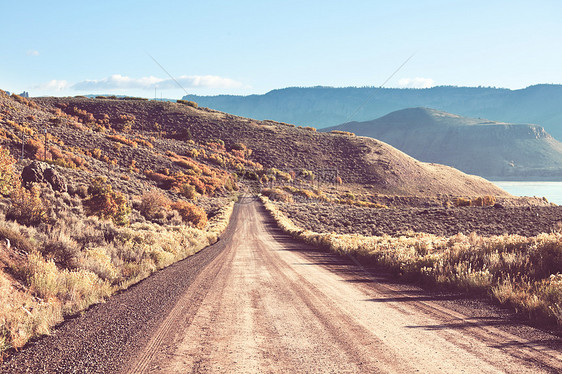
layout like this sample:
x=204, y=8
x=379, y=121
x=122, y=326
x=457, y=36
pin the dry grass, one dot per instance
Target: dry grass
x=477, y=201
x=524, y=272
x=123, y=140
x=52, y=271
x=339, y=132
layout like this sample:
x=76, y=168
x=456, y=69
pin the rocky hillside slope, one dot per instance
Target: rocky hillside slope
x=179, y=127
x=490, y=149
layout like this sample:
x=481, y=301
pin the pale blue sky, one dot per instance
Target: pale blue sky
x=244, y=47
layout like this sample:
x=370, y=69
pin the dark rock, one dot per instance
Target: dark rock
x=498, y=206
x=55, y=180
x=33, y=173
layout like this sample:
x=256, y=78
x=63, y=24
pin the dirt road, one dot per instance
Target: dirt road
x=267, y=304
x=274, y=308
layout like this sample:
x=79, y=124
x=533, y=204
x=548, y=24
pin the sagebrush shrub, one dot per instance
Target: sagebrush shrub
x=8, y=178
x=16, y=238
x=154, y=205
x=62, y=249
x=106, y=203
x=277, y=194
x=27, y=207
x=191, y=213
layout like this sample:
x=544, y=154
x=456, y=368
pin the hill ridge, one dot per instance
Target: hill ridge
x=477, y=146
x=359, y=161
x=328, y=106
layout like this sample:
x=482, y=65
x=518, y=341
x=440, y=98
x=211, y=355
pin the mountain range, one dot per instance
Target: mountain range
x=328, y=106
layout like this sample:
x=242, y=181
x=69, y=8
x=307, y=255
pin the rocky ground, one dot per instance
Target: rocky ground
x=485, y=221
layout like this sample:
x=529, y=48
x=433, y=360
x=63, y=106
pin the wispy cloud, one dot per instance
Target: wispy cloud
x=56, y=85
x=118, y=81
x=32, y=52
x=416, y=83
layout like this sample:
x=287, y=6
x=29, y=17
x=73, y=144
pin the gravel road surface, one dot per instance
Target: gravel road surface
x=260, y=302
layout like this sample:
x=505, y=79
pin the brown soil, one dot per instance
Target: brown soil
x=485, y=221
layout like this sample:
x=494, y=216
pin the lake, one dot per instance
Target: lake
x=551, y=190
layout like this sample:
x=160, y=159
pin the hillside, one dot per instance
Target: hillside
x=327, y=106
x=494, y=150
x=359, y=161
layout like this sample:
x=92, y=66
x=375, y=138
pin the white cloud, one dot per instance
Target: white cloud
x=57, y=85
x=416, y=83
x=32, y=52
x=118, y=81
x=206, y=81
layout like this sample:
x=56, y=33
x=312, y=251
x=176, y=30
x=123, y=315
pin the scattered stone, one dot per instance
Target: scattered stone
x=55, y=180
x=34, y=173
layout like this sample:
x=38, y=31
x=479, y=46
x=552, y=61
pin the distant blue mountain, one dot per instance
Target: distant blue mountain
x=328, y=106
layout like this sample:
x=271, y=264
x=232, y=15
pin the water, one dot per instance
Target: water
x=551, y=190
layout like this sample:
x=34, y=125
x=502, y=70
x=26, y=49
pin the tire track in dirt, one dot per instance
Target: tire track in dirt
x=282, y=306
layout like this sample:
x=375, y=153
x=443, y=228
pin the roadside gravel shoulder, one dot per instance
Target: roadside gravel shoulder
x=102, y=339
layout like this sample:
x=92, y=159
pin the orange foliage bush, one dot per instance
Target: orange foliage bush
x=163, y=181
x=23, y=129
x=106, y=203
x=146, y=143
x=25, y=101
x=122, y=139
x=82, y=115
x=36, y=148
x=191, y=213
x=27, y=207
x=154, y=205
x=188, y=191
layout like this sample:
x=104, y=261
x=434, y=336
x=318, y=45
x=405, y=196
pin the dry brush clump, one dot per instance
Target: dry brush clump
x=60, y=253
x=203, y=179
x=106, y=203
x=339, y=132
x=123, y=140
x=78, y=262
x=524, y=272
x=192, y=104
x=27, y=207
x=157, y=206
x=277, y=194
x=476, y=201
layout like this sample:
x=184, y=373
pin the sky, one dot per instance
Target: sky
x=69, y=48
